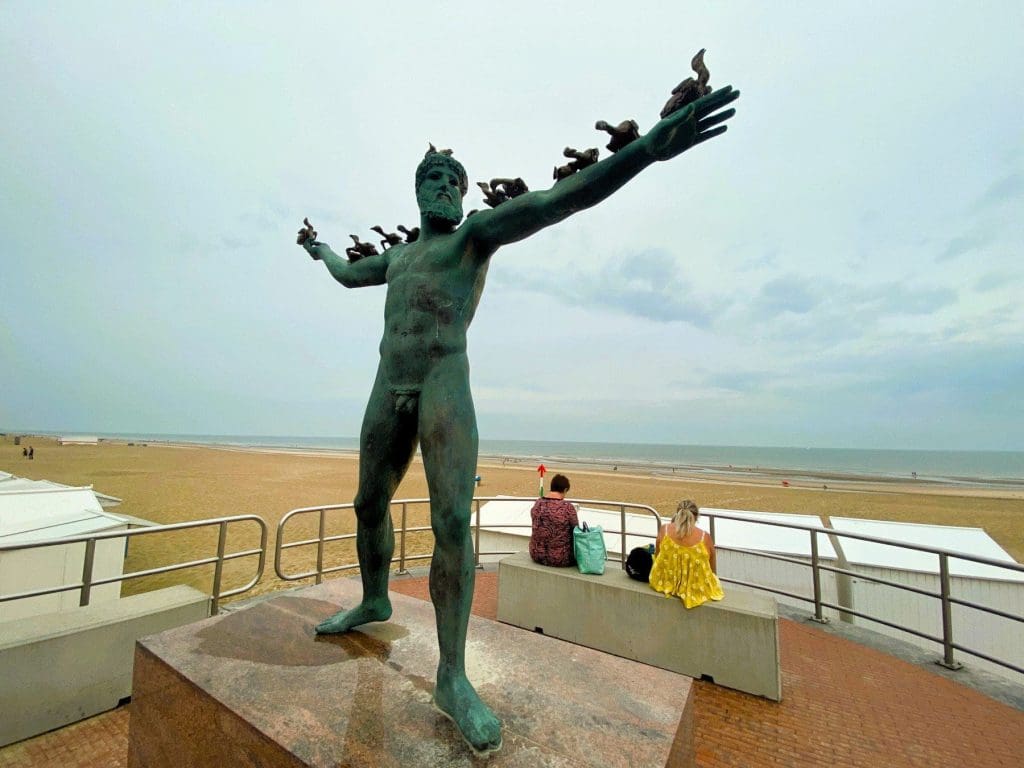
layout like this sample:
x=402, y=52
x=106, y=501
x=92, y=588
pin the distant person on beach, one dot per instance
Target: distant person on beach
x=553, y=520
x=684, y=559
x=24, y=452
x=31, y=452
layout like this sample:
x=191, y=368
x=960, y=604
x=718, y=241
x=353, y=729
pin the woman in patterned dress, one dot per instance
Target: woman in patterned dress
x=553, y=520
x=684, y=560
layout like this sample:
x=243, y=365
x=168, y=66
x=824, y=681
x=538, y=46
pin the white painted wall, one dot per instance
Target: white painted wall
x=29, y=569
x=63, y=667
x=984, y=632
x=790, y=577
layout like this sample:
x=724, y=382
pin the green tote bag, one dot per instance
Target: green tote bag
x=588, y=546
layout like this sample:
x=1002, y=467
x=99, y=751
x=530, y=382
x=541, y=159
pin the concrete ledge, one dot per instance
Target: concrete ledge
x=735, y=641
x=58, y=668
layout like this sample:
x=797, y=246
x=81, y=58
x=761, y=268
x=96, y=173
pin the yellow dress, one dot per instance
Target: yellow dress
x=685, y=572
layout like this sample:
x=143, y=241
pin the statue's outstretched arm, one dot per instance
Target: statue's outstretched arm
x=522, y=216
x=371, y=270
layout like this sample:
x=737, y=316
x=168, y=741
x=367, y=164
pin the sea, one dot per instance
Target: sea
x=996, y=468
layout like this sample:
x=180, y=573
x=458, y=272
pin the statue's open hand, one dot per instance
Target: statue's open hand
x=307, y=237
x=692, y=124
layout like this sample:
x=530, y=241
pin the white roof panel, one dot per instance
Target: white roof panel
x=25, y=484
x=510, y=514
x=58, y=512
x=972, y=541
x=10, y=482
x=748, y=534
x=65, y=528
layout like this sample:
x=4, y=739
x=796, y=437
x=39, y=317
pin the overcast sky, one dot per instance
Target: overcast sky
x=841, y=269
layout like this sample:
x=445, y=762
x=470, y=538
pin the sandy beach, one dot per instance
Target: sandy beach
x=167, y=483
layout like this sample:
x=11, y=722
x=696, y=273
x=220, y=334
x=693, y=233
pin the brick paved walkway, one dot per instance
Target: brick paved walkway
x=99, y=742
x=844, y=706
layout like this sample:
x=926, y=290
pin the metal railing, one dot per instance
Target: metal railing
x=88, y=581
x=944, y=596
x=402, y=529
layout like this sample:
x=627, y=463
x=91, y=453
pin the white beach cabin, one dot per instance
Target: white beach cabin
x=60, y=662
x=78, y=440
x=39, y=510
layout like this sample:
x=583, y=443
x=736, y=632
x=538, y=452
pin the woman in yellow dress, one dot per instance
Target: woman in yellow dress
x=684, y=559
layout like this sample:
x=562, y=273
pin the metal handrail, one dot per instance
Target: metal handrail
x=946, y=600
x=320, y=571
x=816, y=566
x=865, y=537
x=90, y=539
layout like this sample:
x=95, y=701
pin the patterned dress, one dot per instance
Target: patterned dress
x=685, y=572
x=551, y=538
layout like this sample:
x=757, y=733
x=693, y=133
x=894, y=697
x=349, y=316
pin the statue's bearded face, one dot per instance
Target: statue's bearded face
x=440, y=195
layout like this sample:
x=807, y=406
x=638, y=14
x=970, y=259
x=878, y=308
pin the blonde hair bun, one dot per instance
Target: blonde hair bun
x=685, y=518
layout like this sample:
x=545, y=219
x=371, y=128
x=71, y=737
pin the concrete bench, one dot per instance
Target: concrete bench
x=734, y=641
x=57, y=668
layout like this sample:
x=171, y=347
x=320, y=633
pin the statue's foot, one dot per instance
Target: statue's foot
x=456, y=699
x=364, y=613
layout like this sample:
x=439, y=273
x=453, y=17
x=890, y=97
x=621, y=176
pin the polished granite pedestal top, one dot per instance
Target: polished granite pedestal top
x=257, y=687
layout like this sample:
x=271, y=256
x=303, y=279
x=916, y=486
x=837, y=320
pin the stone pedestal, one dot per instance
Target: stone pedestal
x=257, y=687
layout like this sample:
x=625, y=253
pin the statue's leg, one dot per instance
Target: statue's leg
x=448, y=438
x=387, y=444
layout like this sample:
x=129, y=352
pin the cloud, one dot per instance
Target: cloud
x=644, y=284
x=779, y=283
x=739, y=381
x=1002, y=190
x=805, y=313
x=961, y=245
x=789, y=293
x=959, y=395
x=765, y=260
x=235, y=242
x=647, y=284
x=898, y=299
x=969, y=376
x=994, y=280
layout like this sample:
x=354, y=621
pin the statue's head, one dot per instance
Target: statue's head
x=441, y=183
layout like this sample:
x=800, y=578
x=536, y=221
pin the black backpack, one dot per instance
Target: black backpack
x=639, y=563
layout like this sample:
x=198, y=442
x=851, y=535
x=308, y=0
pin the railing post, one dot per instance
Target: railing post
x=816, y=578
x=218, y=567
x=90, y=557
x=476, y=537
x=622, y=534
x=947, y=616
x=321, y=533
x=711, y=525
x=401, y=542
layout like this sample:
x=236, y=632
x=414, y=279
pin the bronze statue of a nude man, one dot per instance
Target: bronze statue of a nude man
x=422, y=394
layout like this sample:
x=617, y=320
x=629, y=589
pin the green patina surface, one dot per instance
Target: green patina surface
x=421, y=394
